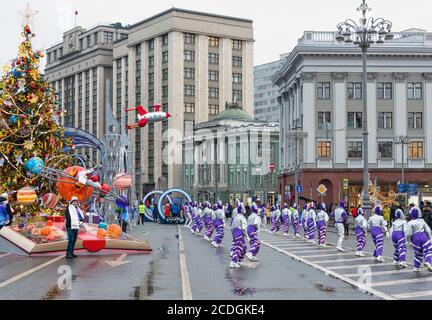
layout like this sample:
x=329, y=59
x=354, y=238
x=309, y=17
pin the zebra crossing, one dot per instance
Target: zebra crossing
x=383, y=280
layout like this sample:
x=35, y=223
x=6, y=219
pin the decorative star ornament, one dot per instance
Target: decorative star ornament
x=27, y=16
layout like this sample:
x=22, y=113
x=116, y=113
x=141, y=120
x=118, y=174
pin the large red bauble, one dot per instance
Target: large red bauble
x=50, y=200
x=68, y=188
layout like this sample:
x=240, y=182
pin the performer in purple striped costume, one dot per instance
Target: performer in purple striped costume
x=304, y=221
x=238, y=228
x=378, y=226
x=295, y=221
x=421, y=240
x=219, y=224
x=253, y=222
x=237, y=209
x=195, y=218
x=360, y=227
x=208, y=221
x=322, y=219
x=310, y=220
x=286, y=217
x=398, y=233
x=275, y=219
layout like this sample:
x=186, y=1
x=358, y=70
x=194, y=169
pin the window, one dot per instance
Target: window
x=96, y=37
x=415, y=91
x=324, y=118
x=385, y=149
x=214, y=93
x=385, y=120
x=189, y=73
x=189, y=107
x=385, y=90
x=213, y=109
x=213, y=75
x=237, y=95
x=189, y=38
x=165, y=40
x=323, y=90
x=237, y=45
x=189, y=55
x=88, y=40
x=189, y=90
x=354, y=120
x=355, y=149
x=165, y=92
x=415, y=120
x=151, y=94
x=354, y=90
x=237, y=78
x=151, y=44
x=237, y=61
x=151, y=61
x=151, y=77
x=165, y=74
x=108, y=36
x=165, y=56
x=213, y=41
x=324, y=149
x=415, y=150
x=213, y=58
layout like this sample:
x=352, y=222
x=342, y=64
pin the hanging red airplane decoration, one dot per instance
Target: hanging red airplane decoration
x=145, y=117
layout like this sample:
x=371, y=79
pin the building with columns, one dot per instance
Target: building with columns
x=320, y=97
x=192, y=63
x=77, y=68
x=232, y=157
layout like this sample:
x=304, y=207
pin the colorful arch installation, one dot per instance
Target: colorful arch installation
x=167, y=193
x=149, y=214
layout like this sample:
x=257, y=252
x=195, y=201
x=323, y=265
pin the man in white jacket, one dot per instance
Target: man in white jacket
x=73, y=219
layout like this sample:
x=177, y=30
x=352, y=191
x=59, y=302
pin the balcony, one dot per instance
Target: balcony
x=401, y=39
x=416, y=163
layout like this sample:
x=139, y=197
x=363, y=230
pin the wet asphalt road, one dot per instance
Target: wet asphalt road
x=157, y=275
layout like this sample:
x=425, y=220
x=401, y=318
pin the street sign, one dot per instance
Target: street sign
x=411, y=189
x=402, y=188
x=322, y=189
x=299, y=189
x=345, y=184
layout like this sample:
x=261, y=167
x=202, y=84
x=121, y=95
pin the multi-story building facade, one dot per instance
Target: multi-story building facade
x=266, y=106
x=190, y=62
x=320, y=95
x=232, y=157
x=78, y=68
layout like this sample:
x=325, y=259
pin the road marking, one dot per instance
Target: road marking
x=405, y=281
x=330, y=255
x=361, y=265
x=118, y=262
x=410, y=295
x=186, y=287
x=330, y=272
x=28, y=272
x=378, y=273
x=311, y=251
x=4, y=255
x=345, y=260
x=294, y=248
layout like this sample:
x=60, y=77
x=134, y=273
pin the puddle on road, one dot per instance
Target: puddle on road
x=235, y=281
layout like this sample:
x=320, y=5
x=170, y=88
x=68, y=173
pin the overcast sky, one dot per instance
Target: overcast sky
x=277, y=23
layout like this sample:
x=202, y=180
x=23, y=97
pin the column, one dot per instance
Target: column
x=82, y=106
x=91, y=102
x=132, y=102
x=340, y=119
x=176, y=107
x=158, y=99
x=144, y=101
x=201, y=79
x=428, y=118
x=372, y=116
x=309, y=115
x=62, y=101
x=76, y=93
x=401, y=113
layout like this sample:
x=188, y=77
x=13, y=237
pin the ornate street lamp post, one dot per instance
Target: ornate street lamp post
x=364, y=34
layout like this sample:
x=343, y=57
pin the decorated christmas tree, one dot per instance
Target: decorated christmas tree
x=29, y=121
